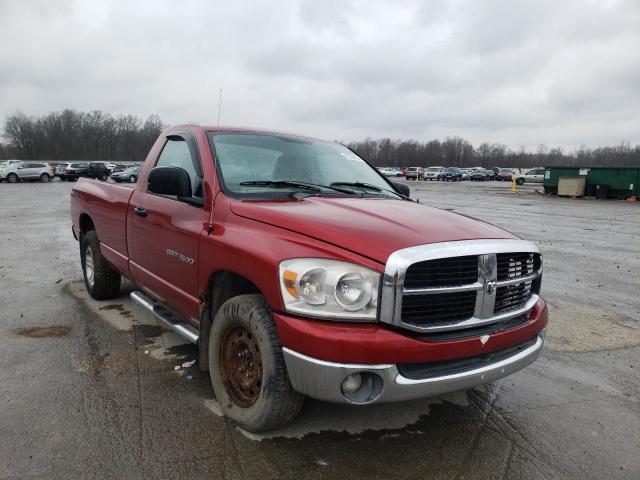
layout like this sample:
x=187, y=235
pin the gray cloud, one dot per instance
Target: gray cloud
x=562, y=73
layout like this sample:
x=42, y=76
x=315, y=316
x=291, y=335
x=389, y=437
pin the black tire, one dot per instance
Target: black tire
x=103, y=177
x=133, y=179
x=272, y=401
x=44, y=178
x=101, y=280
x=12, y=178
x=520, y=181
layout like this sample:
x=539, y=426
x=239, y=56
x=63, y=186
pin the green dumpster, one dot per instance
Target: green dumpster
x=621, y=181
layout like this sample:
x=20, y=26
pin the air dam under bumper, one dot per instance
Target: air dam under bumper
x=323, y=380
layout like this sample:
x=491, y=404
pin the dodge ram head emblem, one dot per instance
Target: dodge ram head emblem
x=490, y=287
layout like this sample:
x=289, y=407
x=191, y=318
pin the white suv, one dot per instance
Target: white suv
x=533, y=175
x=434, y=173
x=13, y=173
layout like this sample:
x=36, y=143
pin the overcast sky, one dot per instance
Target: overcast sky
x=558, y=72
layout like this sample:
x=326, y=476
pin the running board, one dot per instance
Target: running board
x=167, y=318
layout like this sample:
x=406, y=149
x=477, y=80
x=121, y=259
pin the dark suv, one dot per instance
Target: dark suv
x=452, y=174
x=73, y=171
x=98, y=170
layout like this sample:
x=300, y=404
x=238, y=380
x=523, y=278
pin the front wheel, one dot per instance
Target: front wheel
x=101, y=280
x=103, y=177
x=520, y=181
x=247, y=368
x=12, y=178
x=132, y=179
x=44, y=178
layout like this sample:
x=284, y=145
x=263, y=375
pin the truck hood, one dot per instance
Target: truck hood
x=372, y=227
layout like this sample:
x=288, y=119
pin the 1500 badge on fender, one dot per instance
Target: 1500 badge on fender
x=181, y=257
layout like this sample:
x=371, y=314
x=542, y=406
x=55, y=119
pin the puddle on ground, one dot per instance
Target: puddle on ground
x=44, y=332
x=579, y=328
x=118, y=307
x=125, y=315
x=317, y=417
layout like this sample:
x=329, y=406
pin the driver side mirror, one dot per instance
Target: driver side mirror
x=403, y=188
x=173, y=182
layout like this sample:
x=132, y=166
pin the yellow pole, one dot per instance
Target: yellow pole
x=513, y=183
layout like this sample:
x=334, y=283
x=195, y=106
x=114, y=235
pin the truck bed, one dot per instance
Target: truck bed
x=105, y=205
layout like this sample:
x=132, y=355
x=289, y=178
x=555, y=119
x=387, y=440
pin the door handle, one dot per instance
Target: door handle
x=141, y=212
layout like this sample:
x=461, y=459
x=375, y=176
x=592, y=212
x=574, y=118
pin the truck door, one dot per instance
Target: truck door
x=166, y=232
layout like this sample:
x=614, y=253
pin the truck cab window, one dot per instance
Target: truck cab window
x=176, y=154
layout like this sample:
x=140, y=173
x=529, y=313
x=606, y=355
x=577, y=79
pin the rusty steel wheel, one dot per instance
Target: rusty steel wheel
x=247, y=369
x=241, y=365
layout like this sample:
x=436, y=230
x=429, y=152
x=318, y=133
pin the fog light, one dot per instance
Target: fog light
x=352, y=383
x=362, y=387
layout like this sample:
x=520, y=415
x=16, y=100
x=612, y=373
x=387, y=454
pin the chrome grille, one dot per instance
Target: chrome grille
x=516, y=264
x=426, y=309
x=512, y=296
x=442, y=272
x=460, y=285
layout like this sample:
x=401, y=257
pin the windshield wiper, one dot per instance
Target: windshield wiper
x=369, y=186
x=280, y=184
x=316, y=187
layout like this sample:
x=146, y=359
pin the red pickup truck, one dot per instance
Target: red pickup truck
x=299, y=270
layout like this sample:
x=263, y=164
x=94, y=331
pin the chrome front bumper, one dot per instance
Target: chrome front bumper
x=322, y=380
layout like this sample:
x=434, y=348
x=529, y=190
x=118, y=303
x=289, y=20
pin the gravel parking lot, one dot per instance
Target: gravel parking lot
x=90, y=389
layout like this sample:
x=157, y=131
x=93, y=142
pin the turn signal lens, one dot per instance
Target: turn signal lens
x=289, y=280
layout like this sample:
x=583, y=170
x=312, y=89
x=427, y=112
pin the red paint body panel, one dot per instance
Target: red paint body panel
x=352, y=222
x=251, y=238
x=375, y=344
x=106, y=205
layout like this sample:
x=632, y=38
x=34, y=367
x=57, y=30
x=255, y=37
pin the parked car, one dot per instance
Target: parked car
x=434, y=173
x=98, y=170
x=533, y=175
x=452, y=174
x=504, y=175
x=27, y=171
x=60, y=168
x=119, y=167
x=299, y=274
x=74, y=171
x=495, y=170
x=389, y=172
x=414, y=173
x=129, y=175
x=479, y=175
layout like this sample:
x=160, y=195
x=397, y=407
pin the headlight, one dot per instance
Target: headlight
x=316, y=287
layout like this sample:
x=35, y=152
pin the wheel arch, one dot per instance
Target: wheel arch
x=85, y=223
x=222, y=286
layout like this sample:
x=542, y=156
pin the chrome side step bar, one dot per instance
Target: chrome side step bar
x=167, y=318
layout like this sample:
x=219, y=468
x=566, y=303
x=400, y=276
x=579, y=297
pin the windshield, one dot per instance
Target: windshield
x=245, y=158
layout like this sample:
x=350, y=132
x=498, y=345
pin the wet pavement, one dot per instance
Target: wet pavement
x=98, y=389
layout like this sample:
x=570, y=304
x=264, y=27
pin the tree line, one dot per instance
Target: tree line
x=458, y=152
x=74, y=135
x=95, y=135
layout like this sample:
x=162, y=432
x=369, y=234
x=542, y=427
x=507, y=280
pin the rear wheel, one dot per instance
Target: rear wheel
x=132, y=179
x=520, y=181
x=44, y=178
x=247, y=369
x=12, y=178
x=101, y=280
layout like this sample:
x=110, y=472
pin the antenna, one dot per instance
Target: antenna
x=219, y=105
